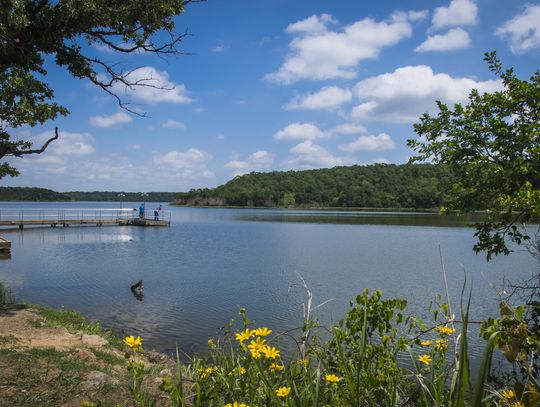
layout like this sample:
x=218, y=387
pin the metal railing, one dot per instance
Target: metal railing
x=77, y=215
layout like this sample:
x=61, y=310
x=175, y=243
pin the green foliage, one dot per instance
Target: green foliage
x=34, y=33
x=364, y=349
x=31, y=194
x=518, y=340
x=492, y=148
x=374, y=186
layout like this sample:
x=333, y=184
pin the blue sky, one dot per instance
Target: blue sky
x=278, y=85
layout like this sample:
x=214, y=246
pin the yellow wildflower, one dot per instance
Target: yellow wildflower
x=425, y=359
x=302, y=362
x=133, y=342
x=283, y=391
x=270, y=352
x=240, y=370
x=276, y=368
x=262, y=332
x=207, y=372
x=426, y=343
x=445, y=330
x=243, y=335
x=256, y=347
x=210, y=342
x=517, y=404
x=441, y=344
x=332, y=378
x=235, y=404
x=508, y=394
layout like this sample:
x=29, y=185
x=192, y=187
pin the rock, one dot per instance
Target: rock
x=156, y=357
x=165, y=372
x=96, y=379
x=93, y=340
x=85, y=354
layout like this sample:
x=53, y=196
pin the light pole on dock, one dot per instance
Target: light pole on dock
x=121, y=195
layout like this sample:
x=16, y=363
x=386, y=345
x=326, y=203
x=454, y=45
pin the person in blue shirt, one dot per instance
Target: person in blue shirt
x=141, y=211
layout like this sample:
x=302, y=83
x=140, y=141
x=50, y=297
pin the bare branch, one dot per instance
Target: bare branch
x=19, y=153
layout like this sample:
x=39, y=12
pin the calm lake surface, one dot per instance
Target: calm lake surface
x=209, y=262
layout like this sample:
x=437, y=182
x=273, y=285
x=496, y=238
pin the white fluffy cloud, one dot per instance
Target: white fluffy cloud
x=311, y=25
x=67, y=145
x=63, y=156
x=327, y=98
x=317, y=53
x=188, y=159
x=523, y=30
x=183, y=166
x=403, y=95
x=348, y=128
x=458, y=13
x=310, y=155
x=111, y=120
x=259, y=160
x=454, y=39
x=300, y=131
x=153, y=87
x=173, y=124
x=74, y=157
x=369, y=143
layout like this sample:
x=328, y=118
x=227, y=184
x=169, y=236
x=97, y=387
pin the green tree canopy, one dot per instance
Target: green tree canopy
x=35, y=31
x=492, y=147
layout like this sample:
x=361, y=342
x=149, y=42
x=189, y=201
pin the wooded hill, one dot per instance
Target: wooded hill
x=418, y=186
x=31, y=194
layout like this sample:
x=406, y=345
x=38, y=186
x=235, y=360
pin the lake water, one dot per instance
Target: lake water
x=210, y=262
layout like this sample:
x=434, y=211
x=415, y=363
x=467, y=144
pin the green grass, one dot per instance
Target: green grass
x=41, y=377
x=73, y=321
x=107, y=357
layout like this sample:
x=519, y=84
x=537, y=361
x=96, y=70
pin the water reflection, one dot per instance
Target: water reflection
x=199, y=271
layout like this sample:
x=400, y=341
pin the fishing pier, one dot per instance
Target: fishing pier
x=65, y=217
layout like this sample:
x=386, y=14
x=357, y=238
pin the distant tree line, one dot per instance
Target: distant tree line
x=41, y=194
x=31, y=194
x=374, y=186
x=122, y=196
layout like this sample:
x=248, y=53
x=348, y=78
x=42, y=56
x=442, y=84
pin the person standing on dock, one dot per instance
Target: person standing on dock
x=157, y=212
x=141, y=211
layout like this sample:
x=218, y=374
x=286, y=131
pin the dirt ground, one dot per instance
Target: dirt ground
x=45, y=365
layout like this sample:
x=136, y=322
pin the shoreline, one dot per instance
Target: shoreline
x=59, y=357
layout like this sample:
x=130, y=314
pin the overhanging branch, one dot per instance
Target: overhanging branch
x=18, y=153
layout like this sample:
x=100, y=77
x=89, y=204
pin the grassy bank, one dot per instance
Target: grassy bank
x=59, y=358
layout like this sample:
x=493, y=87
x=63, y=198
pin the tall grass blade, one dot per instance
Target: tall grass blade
x=483, y=372
x=461, y=379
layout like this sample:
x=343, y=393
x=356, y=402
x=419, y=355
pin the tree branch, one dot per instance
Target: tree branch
x=18, y=153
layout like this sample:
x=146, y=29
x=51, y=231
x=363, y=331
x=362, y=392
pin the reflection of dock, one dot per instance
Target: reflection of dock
x=66, y=217
x=5, y=246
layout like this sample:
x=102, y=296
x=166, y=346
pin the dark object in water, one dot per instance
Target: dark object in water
x=137, y=290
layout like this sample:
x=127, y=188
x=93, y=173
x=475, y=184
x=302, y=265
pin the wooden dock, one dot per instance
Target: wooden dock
x=66, y=217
